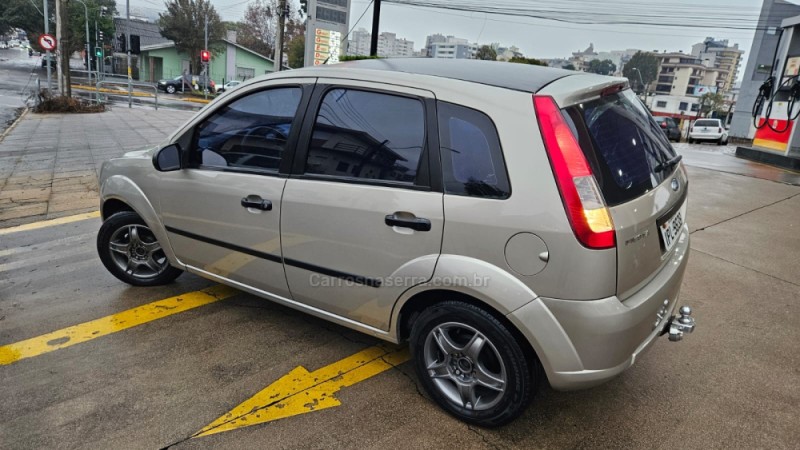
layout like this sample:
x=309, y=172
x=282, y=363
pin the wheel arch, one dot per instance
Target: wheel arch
x=120, y=193
x=413, y=307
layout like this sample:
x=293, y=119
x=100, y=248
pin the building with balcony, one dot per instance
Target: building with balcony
x=720, y=56
x=680, y=74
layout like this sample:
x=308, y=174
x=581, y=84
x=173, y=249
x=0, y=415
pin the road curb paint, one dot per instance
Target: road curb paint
x=301, y=391
x=50, y=222
x=87, y=331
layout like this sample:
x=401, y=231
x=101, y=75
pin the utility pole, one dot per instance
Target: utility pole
x=47, y=53
x=128, y=48
x=88, y=44
x=279, y=40
x=376, y=20
x=63, y=48
x=205, y=64
x=59, y=47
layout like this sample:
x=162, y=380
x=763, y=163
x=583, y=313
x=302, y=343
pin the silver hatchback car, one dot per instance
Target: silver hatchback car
x=513, y=223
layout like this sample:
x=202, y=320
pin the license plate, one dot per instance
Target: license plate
x=671, y=229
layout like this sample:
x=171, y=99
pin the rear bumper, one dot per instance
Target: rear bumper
x=584, y=343
x=706, y=136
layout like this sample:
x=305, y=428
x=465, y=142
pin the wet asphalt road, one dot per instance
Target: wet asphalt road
x=733, y=383
x=18, y=75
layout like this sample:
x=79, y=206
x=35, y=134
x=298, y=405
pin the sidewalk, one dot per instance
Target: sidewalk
x=49, y=163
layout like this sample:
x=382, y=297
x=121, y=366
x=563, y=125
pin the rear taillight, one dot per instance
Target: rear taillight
x=663, y=124
x=586, y=209
x=719, y=130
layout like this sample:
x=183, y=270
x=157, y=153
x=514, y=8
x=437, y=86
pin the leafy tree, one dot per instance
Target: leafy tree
x=183, y=24
x=647, y=65
x=27, y=15
x=297, y=52
x=487, y=53
x=714, y=104
x=604, y=67
x=531, y=61
x=257, y=30
x=569, y=66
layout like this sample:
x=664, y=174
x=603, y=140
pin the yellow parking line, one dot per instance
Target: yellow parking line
x=49, y=223
x=67, y=337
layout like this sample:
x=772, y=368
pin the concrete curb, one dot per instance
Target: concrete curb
x=16, y=121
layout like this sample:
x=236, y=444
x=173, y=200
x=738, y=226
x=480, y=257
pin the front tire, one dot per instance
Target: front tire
x=471, y=364
x=131, y=252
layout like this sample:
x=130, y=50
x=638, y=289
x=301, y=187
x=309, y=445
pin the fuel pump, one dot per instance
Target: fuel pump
x=776, y=108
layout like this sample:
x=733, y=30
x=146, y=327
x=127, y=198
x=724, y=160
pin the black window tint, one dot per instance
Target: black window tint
x=367, y=135
x=250, y=132
x=472, y=161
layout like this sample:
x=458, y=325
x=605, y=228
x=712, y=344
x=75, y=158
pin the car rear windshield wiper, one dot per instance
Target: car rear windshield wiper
x=668, y=164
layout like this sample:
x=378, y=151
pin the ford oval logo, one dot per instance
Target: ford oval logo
x=675, y=184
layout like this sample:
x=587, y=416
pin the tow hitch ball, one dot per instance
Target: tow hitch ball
x=678, y=325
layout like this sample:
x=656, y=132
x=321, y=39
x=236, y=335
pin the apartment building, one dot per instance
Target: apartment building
x=720, y=56
x=680, y=74
x=389, y=45
x=449, y=47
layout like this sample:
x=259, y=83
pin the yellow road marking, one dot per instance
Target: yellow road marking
x=50, y=223
x=67, y=337
x=301, y=391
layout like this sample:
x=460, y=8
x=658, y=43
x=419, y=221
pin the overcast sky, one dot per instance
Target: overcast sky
x=535, y=37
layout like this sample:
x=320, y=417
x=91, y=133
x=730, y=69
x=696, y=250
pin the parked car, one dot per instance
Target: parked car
x=179, y=83
x=510, y=222
x=670, y=127
x=229, y=85
x=708, y=130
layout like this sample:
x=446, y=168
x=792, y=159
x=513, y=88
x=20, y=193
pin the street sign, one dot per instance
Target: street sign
x=47, y=42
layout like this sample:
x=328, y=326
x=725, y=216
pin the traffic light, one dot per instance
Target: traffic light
x=98, y=51
x=103, y=10
x=121, y=43
x=205, y=56
x=100, y=36
x=135, y=49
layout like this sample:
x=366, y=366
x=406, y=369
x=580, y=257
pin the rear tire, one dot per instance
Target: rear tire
x=691, y=141
x=170, y=89
x=471, y=364
x=720, y=141
x=131, y=252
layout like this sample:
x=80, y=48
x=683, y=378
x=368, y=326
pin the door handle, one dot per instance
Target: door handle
x=254, y=201
x=416, y=223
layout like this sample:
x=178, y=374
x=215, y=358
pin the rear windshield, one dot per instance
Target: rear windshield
x=706, y=123
x=625, y=147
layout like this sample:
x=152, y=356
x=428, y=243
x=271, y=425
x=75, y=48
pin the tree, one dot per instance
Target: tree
x=604, y=67
x=569, y=66
x=487, y=53
x=647, y=65
x=257, y=29
x=183, y=24
x=524, y=60
x=713, y=103
x=27, y=15
x=297, y=52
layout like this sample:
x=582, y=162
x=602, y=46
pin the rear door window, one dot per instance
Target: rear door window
x=368, y=136
x=625, y=147
x=472, y=160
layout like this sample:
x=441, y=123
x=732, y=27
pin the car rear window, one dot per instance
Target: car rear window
x=706, y=123
x=622, y=143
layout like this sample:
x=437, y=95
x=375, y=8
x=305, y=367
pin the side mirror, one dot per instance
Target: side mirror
x=168, y=158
